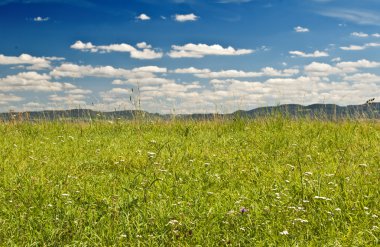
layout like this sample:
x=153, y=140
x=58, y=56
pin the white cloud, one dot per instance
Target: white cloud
x=32, y=81
x=187, y=17
x=359, y=34
x=143, y=17
x=352, y=48
x=358, y=47
x=229, y=74
x=143, y=45
x=137, y=76
x=200, y=50
x=191, y=70
x=341, y=68
x=336, y=59
x=313, y=55
x=79, y=45
x=151, y=69
x=143, y=50
x=350, y=67
x=79, y=71
x=320, y=69
x=363, y=77
x=40, y=19
x=35, y=63
x=300, y=29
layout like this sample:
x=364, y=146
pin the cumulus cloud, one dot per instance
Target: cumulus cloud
x=350, y=67
x=300, y=29
x=320, y=69
x=143, y=17
x=185, y=18
x=35, y=63
x=200, y=50
x=341, y=68
x=313, y=55
x=143, y=50
x=32, y=81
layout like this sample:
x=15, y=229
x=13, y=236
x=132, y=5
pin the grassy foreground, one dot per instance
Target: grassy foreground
x=265, y=182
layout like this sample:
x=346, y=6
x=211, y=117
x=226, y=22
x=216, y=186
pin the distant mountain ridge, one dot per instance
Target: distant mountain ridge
x=325, y=111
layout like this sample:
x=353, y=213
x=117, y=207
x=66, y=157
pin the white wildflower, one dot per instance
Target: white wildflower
x=173, y=222
x=151, y=154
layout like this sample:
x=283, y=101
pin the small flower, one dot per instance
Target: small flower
x=285, y=232
x=243, y=210
x=151, y=154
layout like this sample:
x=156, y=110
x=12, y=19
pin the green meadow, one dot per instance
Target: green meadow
x=265, y=182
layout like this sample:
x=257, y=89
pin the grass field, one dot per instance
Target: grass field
x=264, y=182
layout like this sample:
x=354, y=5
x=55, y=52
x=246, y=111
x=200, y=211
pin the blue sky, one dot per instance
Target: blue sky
x=187, y=56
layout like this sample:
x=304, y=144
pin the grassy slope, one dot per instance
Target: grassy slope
x=101, y=184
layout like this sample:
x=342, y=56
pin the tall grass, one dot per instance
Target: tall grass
x=264, y=182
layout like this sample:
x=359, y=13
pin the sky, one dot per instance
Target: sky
x=187, y=56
